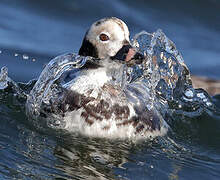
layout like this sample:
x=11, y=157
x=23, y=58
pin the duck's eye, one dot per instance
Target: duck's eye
x=103, y=37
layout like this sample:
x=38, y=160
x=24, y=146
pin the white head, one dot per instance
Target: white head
x=108, y=37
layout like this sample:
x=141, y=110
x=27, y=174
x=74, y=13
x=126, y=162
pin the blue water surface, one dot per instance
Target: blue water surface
x=32, y=32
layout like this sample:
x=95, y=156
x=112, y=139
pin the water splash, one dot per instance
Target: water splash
x=163, y=80
x=169, y=77
x=46, y=87
x=7, y=85
x=4, y=78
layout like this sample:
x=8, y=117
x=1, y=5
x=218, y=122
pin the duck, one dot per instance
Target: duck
x=99, y=103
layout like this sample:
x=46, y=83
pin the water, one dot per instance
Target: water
x=191, y=150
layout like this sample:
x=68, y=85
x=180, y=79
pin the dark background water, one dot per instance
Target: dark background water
x=43, y=29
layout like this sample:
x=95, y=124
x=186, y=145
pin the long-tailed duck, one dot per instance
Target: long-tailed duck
x=99, y=103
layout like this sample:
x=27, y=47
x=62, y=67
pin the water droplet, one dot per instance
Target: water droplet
x=57, y=122
x=25, y=56
x=201, y=95
x=0, y=51
x=140, y=163
x=205, y=100
x=33, y=59
x=208, y=103
x=16, y=54
x=161, y=55
x=189, y=93
x=151, y=166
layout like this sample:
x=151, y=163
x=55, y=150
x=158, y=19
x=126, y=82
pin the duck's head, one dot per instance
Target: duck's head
x=109, y=38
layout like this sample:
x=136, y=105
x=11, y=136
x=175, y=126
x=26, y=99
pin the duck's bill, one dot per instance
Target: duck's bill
x=129, y=55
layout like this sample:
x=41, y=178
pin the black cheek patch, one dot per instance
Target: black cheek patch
x=122, y=53
x=88, y=49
